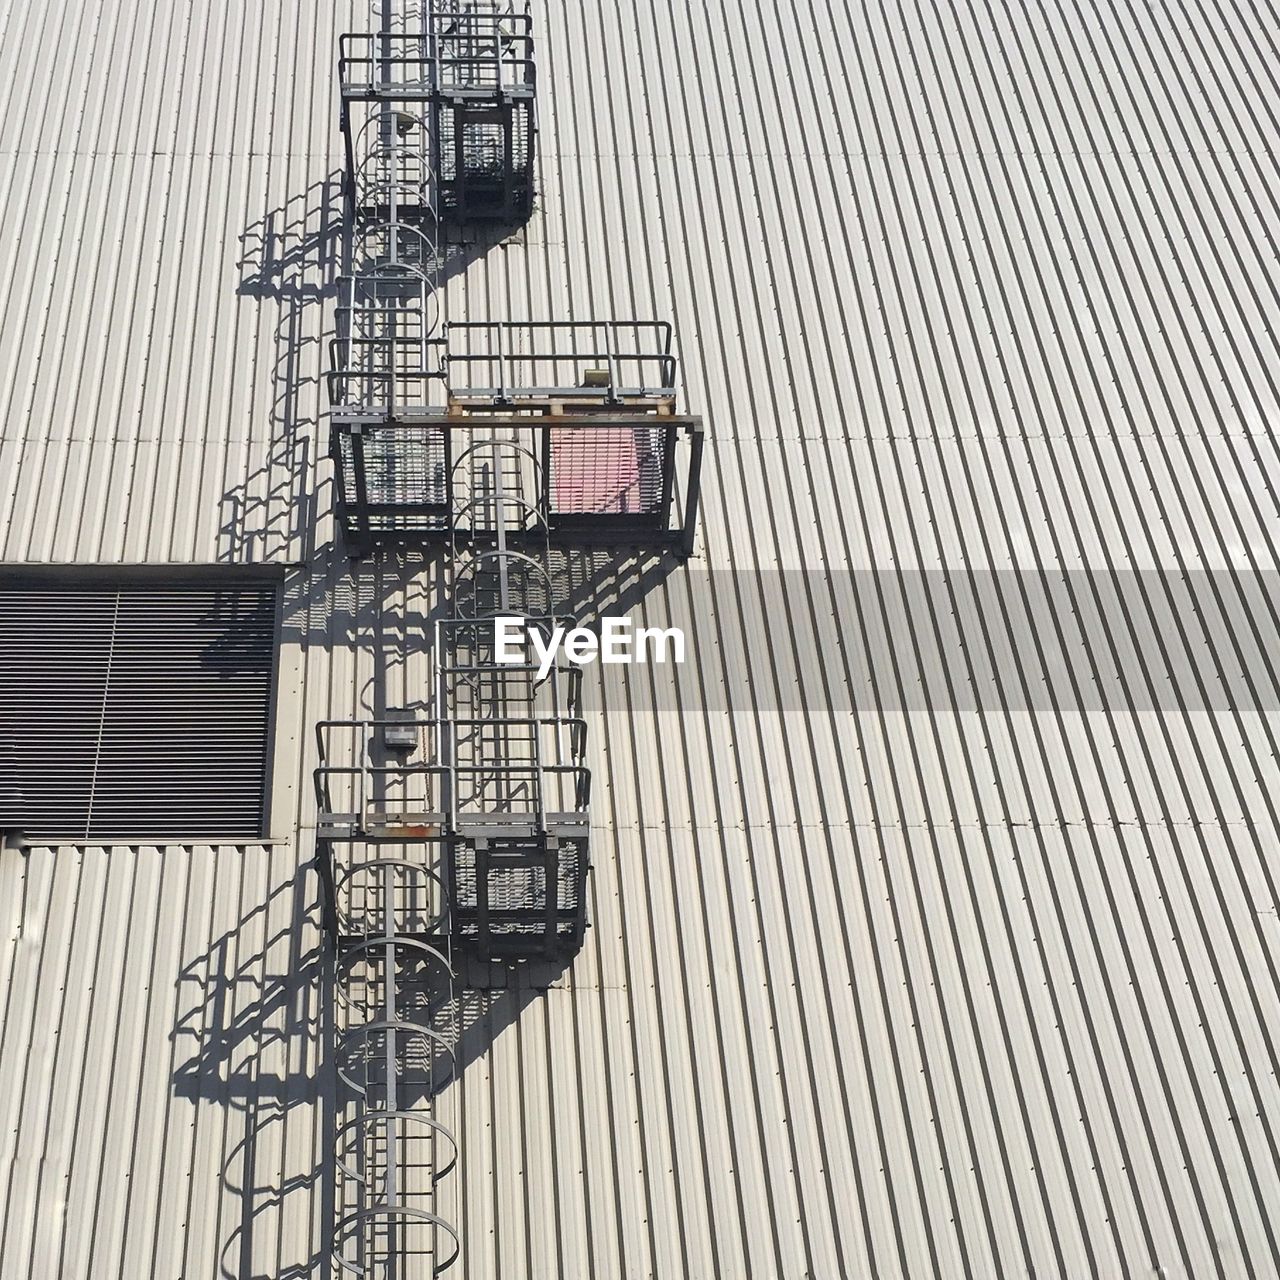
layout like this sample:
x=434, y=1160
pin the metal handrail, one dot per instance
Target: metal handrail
x=575, y=727
x=663, y=327
x=379, y=53
x=499, y=357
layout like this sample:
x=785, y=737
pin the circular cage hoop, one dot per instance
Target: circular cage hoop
x=397, y=1027
x=368, y=1119
x=372, y=189
x=368, y=306
x=375, y=948
x=376, y=148
x=534, y=518
x=399, y=940
x=531, y=511
x=354, y=1223
x=511, y=446
x=378, y=121
x=382, y=267
x=344, y=881
x=389, y=272
x=469, y=571
x=381, y=153
x=373, y=951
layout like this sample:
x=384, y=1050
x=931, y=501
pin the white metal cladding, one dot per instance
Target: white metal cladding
x=891, y=986
x=139, y=712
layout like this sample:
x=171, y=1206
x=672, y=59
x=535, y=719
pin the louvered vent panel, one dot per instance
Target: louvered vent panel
x=138, y=714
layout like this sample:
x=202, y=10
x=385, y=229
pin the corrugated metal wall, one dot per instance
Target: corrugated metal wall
x=935, y=912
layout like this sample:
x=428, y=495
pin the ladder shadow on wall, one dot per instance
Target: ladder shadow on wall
x=381, y=610
x=250, y=1020
x=288, y=277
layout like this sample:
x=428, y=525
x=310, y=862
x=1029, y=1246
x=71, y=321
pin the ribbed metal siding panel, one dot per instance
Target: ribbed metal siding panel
x=161, y=1090
x=139, y=713
x=893, y=981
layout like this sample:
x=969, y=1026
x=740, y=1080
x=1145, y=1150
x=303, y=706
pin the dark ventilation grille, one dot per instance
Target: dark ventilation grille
x=139, y=713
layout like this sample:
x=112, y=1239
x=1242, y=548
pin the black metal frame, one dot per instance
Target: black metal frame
x=473, y=70
x=368, y=521
x=471, y=190
x=541, y=383
x=521, y=899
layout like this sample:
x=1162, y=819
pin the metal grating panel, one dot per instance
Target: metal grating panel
x=404, y=487
x=611, y=471
x=138, y=713
x=503, y=903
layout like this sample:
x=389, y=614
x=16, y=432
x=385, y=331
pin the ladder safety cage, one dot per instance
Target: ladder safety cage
x=519, y=862
x=462, y=828
x=392, y=177
x=381, y=357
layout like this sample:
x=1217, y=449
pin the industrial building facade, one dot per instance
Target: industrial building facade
x=931, y=925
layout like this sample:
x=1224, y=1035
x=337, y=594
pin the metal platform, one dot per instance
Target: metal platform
x=625, y=479
x=591, y=405
x=466, y=81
